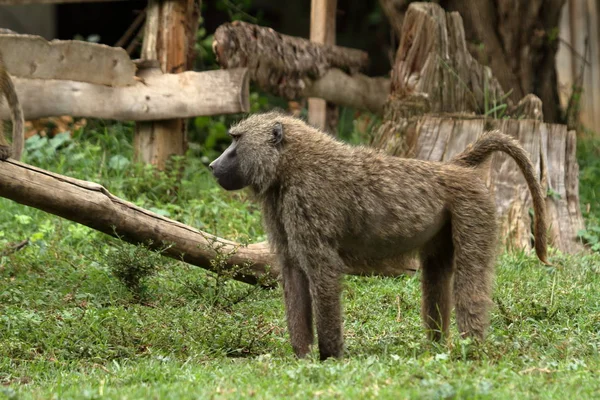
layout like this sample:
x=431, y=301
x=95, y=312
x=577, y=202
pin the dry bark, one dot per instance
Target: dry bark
x=280, y=64
x=435, y=73
x=432, y=59
x=30, y=56
x=93, y=205
x=516, y=39
x=156, y=98
x=563, y=199
x=293, y=67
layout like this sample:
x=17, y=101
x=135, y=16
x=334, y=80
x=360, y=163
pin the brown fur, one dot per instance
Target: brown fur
x=328, y=206
x=8, y=90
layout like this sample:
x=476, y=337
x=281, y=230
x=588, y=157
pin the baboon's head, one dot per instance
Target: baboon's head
x=253, y=156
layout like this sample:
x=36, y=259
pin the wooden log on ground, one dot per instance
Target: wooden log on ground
x=293, y=67
x=158, y=97
x=322, y=30
x=30, y=56
x=93, y=205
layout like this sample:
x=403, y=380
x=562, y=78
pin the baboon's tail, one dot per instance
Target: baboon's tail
x=7, y=88
x=478, y=152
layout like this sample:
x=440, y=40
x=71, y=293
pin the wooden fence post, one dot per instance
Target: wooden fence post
x=169, y=35
x=322, y=30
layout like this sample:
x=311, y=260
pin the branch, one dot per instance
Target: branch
x=156, y=97
x=94, y=206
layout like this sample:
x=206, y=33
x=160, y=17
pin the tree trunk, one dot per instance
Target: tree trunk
x=517, y=39
x=436, y=89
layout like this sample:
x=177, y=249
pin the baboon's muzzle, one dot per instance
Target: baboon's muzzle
x=226, y=170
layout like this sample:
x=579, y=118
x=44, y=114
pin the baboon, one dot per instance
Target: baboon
x=328, y=205
x=8, y=90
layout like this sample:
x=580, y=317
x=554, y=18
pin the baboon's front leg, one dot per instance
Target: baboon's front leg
x=298, y=308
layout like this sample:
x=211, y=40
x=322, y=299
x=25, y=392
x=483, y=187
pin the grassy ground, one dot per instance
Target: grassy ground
x=70, y=329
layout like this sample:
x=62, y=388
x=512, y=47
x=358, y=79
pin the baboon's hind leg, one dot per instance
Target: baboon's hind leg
x=436, y=279
x=474, y=238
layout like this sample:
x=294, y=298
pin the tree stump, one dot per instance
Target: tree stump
x=516, y=39
x=442, y=99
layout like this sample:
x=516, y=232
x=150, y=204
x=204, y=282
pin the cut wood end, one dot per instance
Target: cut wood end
x=245, y=91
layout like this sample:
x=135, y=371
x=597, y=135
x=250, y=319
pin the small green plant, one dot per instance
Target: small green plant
x=494, y=107
x=133, y=265
x=42, y=149
x=591, y=236
x=220, y=289
x=588, y=157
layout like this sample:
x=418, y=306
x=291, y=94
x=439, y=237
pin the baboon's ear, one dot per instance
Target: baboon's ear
x=277, y=133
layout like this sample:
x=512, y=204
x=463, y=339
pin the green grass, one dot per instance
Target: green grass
x=70, y=329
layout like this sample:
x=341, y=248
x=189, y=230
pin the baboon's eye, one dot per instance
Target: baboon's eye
x=277, y=133
x=234, y=135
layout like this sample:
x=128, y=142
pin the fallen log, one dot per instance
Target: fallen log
x=92, y=205
x=33, y=57
x=293, y=67
x=162, y=96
